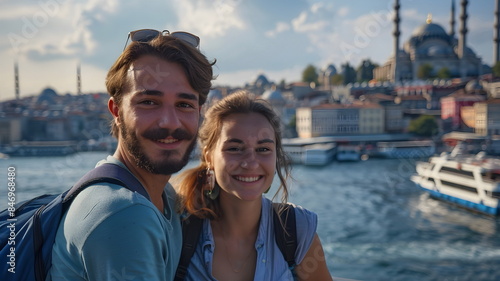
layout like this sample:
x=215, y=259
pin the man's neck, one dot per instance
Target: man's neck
x=153, y=183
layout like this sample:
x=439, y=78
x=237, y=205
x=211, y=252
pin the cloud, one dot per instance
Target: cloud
x=53, y=29
x=343, y=11
x=209, y=18
x=280, y=27
x=242, y=77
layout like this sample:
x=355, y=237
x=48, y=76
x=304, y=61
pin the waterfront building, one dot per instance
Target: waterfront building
x=452, y=108
x=53, y=117
x=338, y=119
x=431, y=92
x=487, y=117
x=10, y=129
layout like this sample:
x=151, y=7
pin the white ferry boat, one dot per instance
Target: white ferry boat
x=318, y=154
x=472, y=181
x=406, y=149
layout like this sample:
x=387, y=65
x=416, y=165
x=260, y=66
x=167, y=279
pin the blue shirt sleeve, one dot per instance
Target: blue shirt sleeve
x=127, y=245
x=307, y=223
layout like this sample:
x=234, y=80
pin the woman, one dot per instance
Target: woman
x=241, y=153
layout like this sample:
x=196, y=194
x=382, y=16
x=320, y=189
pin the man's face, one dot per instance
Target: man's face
x=159, y=116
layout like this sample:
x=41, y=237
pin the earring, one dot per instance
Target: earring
x=213, y=189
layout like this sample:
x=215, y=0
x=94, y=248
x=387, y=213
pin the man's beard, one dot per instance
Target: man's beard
x=166, y=166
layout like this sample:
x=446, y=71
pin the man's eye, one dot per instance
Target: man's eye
x=186, y=105
x=147, y=102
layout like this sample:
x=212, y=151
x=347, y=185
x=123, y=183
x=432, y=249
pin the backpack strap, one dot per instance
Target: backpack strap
x=109, y=173
x=191, y=230
x=285, y=238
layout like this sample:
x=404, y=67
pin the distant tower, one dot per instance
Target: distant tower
x=396, y=34
x=78, y=80
x=462, y=42
x=496, y=34
x=452, y=20
x=16, y=79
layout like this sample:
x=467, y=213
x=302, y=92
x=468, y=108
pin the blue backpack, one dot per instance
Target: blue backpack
x=27, y=233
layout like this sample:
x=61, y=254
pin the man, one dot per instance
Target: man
x=157, y=87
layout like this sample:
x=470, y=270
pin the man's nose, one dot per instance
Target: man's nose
x=169, y=118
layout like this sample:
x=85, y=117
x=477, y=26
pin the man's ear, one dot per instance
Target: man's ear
x=113, y=107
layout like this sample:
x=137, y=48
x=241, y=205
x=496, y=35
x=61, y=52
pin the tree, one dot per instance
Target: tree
x=337, y=79
x=444, y=73
x=349, y=73
x=496, y=69
x=425, y=125
x=310, y=74
x=424, y=71
x=282, y=84
x=365, y=70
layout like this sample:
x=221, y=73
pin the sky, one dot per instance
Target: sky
x=277, y=38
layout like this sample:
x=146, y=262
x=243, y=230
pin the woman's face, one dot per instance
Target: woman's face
x=244, y=158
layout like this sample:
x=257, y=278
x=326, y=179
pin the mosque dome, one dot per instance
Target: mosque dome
x=439, y=50
x=48, y=95
x=472, y=86
x=273, y=96
x=330, y=71
x=429, y=29
x=261, y=81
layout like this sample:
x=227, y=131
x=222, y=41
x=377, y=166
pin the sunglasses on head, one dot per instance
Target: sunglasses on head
x=146, y=35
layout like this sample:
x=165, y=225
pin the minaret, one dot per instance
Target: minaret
x=462, y=42
x=496, y=34
x=452, y=21
x=396, y=75
x=78, y=80
x=16, y=80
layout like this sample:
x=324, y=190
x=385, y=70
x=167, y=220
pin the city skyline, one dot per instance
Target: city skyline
x=49, y=38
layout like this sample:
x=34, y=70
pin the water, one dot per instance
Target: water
x=373, y=222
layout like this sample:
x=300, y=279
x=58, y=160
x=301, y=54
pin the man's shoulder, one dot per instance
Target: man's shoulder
x=104, y=199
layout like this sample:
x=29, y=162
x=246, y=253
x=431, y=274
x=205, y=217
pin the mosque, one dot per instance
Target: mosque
x=431, y=45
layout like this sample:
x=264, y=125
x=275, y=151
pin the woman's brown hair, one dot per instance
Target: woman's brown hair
x=192, y=182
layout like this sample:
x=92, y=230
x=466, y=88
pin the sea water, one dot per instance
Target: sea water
x=374, y=223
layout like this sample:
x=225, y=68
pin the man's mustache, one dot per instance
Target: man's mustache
x=161, y=133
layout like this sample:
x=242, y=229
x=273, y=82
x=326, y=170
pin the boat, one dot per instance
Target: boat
x=348, y=153
x=305, y=151
x=318, y=154
x=406, y=149
x=40, y=148
x=468, y=180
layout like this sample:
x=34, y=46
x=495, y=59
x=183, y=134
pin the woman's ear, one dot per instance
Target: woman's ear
x=208, y=157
